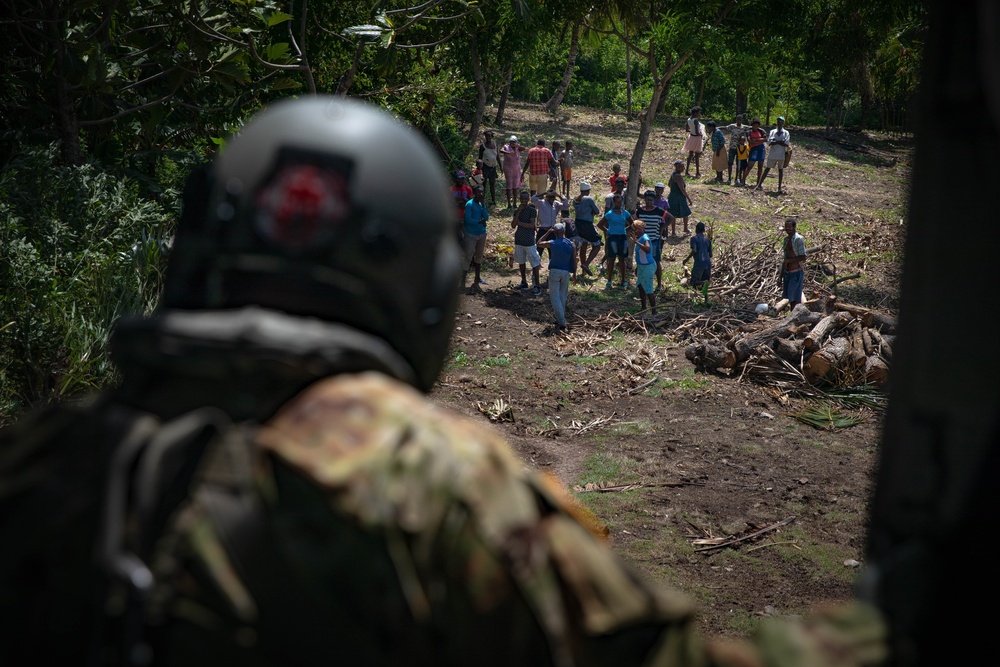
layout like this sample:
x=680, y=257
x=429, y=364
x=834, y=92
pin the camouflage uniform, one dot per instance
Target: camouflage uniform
x=384, y=530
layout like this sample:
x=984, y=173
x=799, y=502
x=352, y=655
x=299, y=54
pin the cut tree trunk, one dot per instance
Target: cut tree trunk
x=745, y=345
x=869, y=318
x=883, y=323
x=788, y=349
x=876, y=372
x=823, y=327
x=710, y=355
x=884, y=343
x=819, y=365
x=574, y=47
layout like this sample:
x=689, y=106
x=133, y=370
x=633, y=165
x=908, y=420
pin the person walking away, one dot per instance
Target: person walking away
x=474, y=226
x=756, y=139
x=680, y=201
x=780, y=142
x=615, y=224
x=585, y=209
x=742, y=156
x=537, y=167
x=695, y=142
x=512, y=171
x=562, y=264
x=566, y=164
x=652, y=217
x=792, y=271
x=719, y=158
x=701, y=251
x=737, y=131
x=645, y=265
x=489, y=153
x=525, y=224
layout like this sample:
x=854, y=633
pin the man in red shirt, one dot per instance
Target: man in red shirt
x=539, y=160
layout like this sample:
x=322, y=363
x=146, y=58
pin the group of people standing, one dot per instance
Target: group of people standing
x=537, y=183
x=748, y=144
x=544, y=169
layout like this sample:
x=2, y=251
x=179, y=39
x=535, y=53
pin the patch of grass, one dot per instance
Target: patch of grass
x=587, y=361
x=743, y=622
x=821, y=560
x=501, y=361
x=460, y=358
x=565, y=386
x=619, y=341
x=603, y=466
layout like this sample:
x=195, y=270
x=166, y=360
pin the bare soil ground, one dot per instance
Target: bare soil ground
x=614, y=401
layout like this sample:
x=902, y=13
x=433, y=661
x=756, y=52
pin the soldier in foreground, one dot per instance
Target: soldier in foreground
x=267, y=486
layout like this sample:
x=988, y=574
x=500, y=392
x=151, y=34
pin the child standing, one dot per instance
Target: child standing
x=694, y=143
x=678, y=198
x=566, y=164
x=476, y=180
x=645, y=265
x=742, y=156
x=701, y=250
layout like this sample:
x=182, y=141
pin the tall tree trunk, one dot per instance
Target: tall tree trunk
x=741, y=99
x=866, y=89
x=628, y=82
x=646, y=118
x=303, y=53
x=574, y=48
x=663, y=97
x=347, y=80
x=477, y=77
x=67, y=124
x=701, y=90
x=504, y=94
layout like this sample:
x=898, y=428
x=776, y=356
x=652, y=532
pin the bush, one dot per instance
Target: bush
x=79, y=247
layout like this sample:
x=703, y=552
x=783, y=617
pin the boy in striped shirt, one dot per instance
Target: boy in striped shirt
x=652, y=217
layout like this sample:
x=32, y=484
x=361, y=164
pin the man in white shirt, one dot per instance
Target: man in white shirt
x=779, y=142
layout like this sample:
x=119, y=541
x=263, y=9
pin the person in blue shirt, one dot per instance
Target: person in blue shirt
x=701, y=250
x=474, y=239
x=562, y=264
x=615, y=225
x=645, y=264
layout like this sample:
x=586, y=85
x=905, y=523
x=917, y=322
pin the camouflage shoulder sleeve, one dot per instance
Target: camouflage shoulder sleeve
x=461, y=543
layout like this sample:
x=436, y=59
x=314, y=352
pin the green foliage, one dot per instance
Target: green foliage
x=78, y=248
x=827, y=417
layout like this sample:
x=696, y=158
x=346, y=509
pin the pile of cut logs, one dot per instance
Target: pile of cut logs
x=825, y=342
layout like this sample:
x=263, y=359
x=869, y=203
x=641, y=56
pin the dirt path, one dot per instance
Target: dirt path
x=746, y=461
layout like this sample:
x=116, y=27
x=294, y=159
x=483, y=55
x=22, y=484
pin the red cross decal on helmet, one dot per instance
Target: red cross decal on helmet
x=302, y=205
